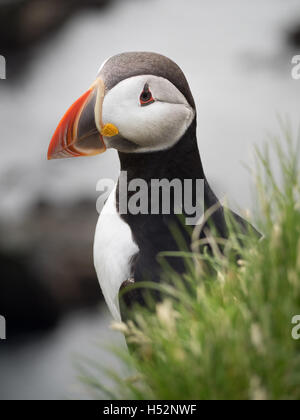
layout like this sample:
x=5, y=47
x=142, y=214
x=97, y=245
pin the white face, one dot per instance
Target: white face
x=146, y=127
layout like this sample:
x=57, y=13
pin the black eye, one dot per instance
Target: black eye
x=146, y=97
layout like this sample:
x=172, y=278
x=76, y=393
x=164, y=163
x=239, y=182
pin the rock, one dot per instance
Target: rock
x=26, y=303
x=47, y=265
x=293, y=36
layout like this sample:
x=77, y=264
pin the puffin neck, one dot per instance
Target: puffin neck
x=182, y=161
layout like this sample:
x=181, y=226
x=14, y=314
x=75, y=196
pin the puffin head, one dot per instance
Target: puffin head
x=139, y=102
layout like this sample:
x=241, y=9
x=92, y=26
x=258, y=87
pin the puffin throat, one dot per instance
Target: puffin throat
x=180, y=161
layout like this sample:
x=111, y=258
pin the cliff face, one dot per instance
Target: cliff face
x=46, y=266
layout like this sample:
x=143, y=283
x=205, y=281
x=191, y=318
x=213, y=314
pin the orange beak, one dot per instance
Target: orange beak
x=79, y=131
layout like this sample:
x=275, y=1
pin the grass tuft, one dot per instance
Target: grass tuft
x=225, y=333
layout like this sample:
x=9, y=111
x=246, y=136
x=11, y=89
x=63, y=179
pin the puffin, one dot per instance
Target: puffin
x=140, y=105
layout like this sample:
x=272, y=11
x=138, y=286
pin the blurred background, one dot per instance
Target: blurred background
x=237, y=57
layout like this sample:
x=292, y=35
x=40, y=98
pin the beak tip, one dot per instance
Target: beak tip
x=50, y=152
x=72, y=139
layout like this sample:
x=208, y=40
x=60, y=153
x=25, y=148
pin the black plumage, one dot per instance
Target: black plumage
x=153, y=232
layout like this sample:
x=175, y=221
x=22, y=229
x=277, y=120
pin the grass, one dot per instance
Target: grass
x=225, y=333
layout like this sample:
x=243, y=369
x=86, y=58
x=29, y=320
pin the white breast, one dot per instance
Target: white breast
x=113, y=250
